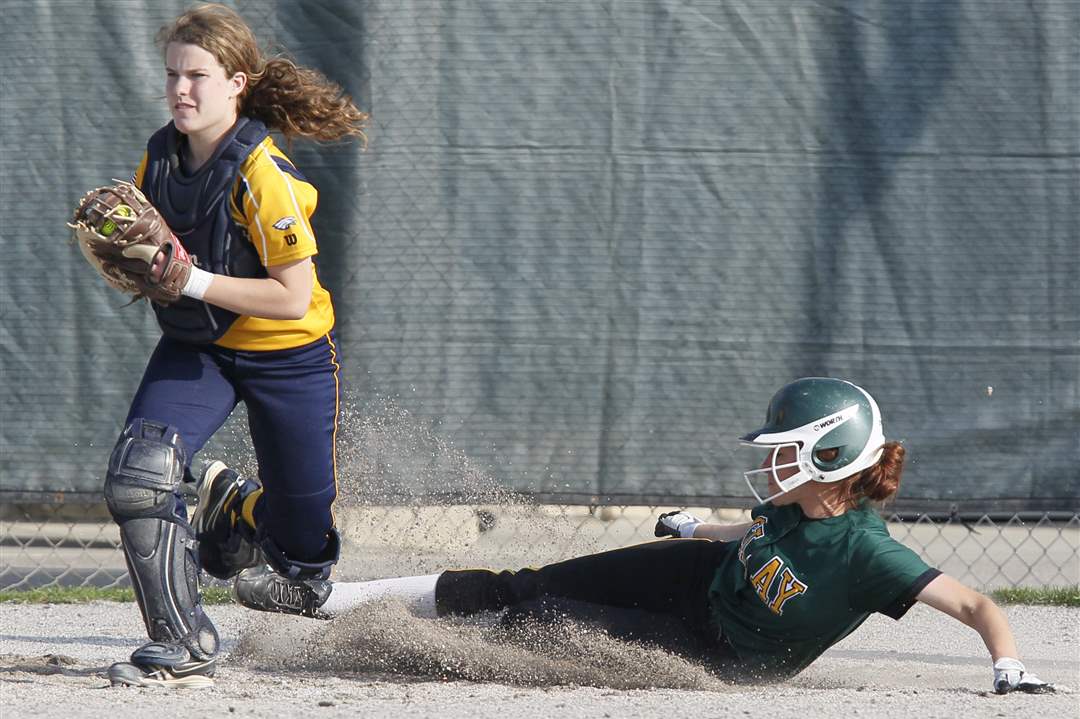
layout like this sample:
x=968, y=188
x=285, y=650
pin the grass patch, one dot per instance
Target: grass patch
x=1058, y=596
x=80, y=595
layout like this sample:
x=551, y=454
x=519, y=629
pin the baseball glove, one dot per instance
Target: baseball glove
x=126, y=240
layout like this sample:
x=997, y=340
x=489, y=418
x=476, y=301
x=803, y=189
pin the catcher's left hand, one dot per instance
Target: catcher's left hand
x=126, y=240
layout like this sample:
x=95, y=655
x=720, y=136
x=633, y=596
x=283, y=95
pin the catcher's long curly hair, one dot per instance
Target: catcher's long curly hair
x=294, y=100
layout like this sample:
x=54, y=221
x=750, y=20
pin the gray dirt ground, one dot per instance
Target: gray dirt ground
x=382, y=662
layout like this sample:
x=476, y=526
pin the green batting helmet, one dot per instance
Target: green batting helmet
x=814, y=414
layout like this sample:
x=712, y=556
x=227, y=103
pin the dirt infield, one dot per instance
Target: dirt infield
x=380, y=662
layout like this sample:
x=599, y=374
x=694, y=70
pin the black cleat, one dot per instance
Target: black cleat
x=224, y=547
x=264, y=589
x=159, y=664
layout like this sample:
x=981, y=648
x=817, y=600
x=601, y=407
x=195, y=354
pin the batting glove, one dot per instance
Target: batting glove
x=676, y=524
x=1010, y=675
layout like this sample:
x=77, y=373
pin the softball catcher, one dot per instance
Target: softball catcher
x=214, y=230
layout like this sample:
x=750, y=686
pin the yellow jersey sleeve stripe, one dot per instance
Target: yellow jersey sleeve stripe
x=301, y=216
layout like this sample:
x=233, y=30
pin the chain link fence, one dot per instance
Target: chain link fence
x=77, y=545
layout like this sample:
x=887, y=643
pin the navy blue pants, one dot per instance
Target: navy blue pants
x=292, y=398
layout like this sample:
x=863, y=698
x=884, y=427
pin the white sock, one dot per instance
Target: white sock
x=418, y=593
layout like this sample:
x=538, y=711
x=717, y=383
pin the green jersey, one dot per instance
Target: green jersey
x=796, y=586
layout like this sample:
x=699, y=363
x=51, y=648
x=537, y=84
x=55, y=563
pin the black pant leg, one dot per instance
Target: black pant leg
x=669, y=577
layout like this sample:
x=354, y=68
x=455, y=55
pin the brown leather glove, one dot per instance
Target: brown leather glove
x=126, y=240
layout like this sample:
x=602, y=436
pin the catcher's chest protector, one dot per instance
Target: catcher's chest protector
x=196, y=208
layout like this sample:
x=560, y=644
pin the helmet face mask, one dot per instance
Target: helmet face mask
x=810, y=416
x=770, y=473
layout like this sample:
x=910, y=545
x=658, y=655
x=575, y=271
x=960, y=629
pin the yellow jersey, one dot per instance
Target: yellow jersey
x=274, y=202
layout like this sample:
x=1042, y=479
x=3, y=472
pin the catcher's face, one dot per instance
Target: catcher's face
x=201, y=97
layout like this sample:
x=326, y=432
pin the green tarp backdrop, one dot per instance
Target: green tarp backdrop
x=589, y=239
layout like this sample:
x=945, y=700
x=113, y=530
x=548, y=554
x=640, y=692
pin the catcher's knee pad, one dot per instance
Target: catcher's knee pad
x=314, y=568
x=145, y=470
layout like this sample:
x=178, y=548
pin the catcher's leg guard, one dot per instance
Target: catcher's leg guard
x=145, y=471
x=226, y=541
